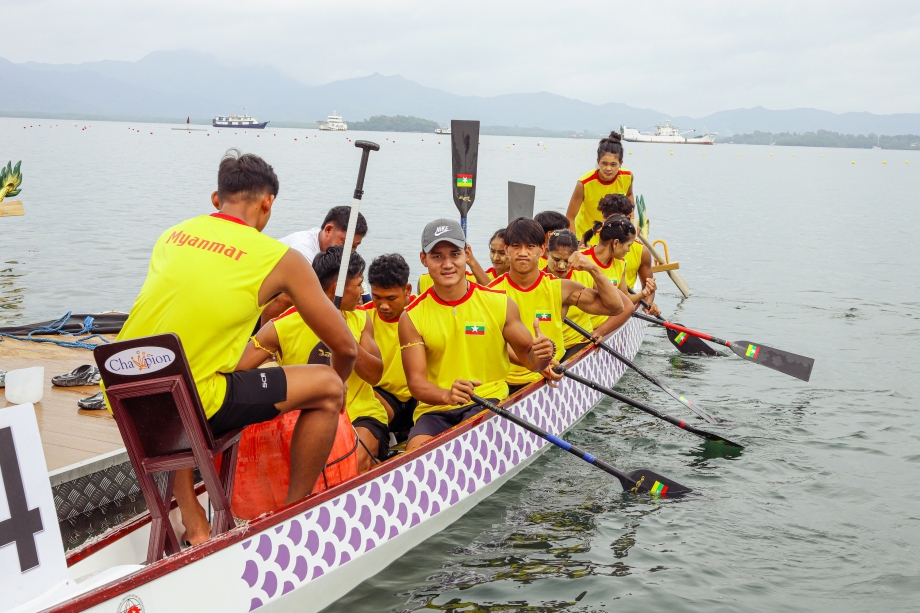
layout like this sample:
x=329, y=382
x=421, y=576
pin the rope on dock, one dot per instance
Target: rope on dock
x=55, y=328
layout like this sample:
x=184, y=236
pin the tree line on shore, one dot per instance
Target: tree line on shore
x=825, y=138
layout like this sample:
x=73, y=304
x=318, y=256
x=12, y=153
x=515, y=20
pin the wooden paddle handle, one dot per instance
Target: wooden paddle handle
x=675, y=276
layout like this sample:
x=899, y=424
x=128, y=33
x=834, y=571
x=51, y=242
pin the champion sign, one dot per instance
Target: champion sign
x=140, y=360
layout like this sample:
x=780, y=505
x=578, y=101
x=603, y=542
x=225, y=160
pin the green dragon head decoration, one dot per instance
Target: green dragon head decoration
x=10, y=180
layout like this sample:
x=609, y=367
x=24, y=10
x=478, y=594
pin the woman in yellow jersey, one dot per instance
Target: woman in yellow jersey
x=388, y=276
x=638, y=259
x=295, y=343
x=609, y=178
x=498, y=256
x=550, y=221
x=454, y=338
x=546, y=298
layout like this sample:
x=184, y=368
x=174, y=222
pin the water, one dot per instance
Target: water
x=809, y=253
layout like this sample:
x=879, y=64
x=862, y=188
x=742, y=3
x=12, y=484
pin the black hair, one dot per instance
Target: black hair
x=500, y=233
x=388, y=270
x=326, y=266
x=616, y=227
x=615, y=204
x=611, y=144
x=562, y=239
x=551, y=220
x=245, y=174
x=338, y=217
x=524, y=231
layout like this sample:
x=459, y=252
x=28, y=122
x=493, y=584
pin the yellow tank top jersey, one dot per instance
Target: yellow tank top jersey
x=595, y=189
x=613, y=271
x=463, y=340
x=542, y=301
x=425, y=283
x=300, y=345
x=633, y=261
x=203, y=284
x=386, y=333
x=578, y=316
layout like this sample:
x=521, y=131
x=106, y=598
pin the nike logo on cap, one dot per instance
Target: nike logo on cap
x=441, y=230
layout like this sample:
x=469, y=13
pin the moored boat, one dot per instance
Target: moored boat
x=666, y=133
x=443, y=130
x=238, y=121
x=333, y=123
x=309, y=554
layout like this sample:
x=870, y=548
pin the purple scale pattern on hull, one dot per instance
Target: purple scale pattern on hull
x=358, y=521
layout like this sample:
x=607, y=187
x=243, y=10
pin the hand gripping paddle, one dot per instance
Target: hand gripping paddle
x=366, y=147
x=464, y=145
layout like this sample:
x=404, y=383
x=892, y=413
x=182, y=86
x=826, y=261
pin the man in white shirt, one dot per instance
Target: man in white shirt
x=315, y=241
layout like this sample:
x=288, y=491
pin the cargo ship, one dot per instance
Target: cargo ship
x=666, y=133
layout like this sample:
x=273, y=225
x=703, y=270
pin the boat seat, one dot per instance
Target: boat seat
x=155, y=403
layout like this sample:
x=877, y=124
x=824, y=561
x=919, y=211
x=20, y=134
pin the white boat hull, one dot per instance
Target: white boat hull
x=306, y=558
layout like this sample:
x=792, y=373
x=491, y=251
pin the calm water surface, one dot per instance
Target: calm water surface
x=800, y=249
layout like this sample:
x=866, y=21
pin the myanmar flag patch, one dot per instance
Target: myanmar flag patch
x=752, y=351
x=681, y=338
x=475, y=328
x=545, y=315
x=464, y=180
x=659, y=489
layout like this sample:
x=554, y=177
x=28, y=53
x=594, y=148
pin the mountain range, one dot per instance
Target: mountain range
x=172, y=85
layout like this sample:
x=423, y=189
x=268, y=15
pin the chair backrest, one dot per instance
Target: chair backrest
x=156, y=417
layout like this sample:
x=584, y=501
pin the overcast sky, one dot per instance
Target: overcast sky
x=679, y=58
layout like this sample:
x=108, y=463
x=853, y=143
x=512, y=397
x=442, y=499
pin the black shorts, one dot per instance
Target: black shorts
x=514, y=389
x=573, y=350
x=380, y=432
x=402, y=411
x=436, y=422
x=251, y=399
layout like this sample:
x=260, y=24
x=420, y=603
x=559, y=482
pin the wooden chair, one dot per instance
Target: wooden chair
x=155, y=403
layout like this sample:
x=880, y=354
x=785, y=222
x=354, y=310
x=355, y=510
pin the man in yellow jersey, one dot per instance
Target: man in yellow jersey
x=609, y=178
x=455, y=338
x=314, y=241
x=546, y=298
x=391, y=293
x=208, y=281
x=474, y=273
x=638, y=259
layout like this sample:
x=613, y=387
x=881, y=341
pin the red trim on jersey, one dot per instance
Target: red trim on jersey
x=596, y=176
x=518, y=287
x=226, y=217
x=290, y=311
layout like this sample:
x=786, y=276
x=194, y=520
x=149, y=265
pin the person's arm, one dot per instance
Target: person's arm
x=575, y=202
x=648, y=290
x=415, y=365
x=629, y=192
x=602, y=299
x=645, y=273
x=613, y=322
x=269, y=345
x=532, y=352
x=482, y=278
x=368, y=365
x=295, y=277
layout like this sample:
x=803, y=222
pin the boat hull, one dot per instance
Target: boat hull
x=307, y=556
x=250, y=126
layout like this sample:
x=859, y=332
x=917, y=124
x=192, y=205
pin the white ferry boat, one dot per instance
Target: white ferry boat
x=666, y=133
x=238, y=121
x=333, y=122
x=443, y=130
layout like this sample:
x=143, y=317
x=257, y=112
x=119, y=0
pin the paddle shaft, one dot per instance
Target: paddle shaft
x=675, y=276
x=366, y=148
x=681, y=399
x=624, y=479
x=643, y=407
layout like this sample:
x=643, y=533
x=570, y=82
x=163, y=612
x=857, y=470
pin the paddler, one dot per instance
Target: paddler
x=293, y=342
x=474, y=272
x=616, y=235
x=209, y=279
x=391, y=293
x=546, y=298
x=316, y=240
x=498, y=256
x=609, y=178
x=638, y=260
x=559, y=249
x=550, y=221
x=455, y=338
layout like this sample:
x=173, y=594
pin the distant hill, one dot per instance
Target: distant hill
x=398, y=123
x=173, y=85
x=824, y=138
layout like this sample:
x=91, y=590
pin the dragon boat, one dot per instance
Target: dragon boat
x=309, y=554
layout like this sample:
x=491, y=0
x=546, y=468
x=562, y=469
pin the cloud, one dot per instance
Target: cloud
x=679, y=57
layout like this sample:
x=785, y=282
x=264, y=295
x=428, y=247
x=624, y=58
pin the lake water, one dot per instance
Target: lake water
x=798, y=248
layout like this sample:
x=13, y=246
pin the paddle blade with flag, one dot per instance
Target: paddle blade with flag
x=786, y=362
x=689, y=344
x=464, y=141
x=652, y=483
x=520, y=200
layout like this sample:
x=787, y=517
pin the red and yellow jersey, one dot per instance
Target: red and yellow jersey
x=492, y=274
x=577, y=316
x=541, y=301
x=425, y=283
x=203, y=284
x=633, y=261
x=301, y=345
x=613, y=270
x=463, y=340
x=386, y=333
x=595, y=189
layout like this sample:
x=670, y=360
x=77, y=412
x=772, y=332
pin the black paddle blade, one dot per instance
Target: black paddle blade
x=520, y=200
x=464, y=142
x=652, y=483
x=689, y=344
x=788, y=363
